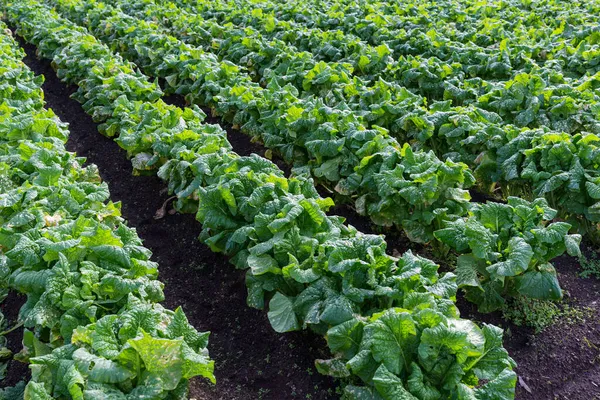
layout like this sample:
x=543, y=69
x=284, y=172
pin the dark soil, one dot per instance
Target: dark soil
x=254, y=362
x=16, y=370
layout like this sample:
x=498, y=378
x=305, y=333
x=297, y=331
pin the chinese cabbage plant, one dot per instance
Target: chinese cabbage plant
x=524, y=241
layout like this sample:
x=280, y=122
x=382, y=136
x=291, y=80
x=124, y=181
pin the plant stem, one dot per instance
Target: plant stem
x=17, y=326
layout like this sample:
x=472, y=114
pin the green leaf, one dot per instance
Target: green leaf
x=424, y=390
x=195, y=364
x=180, y=327
x=281, y=314
x=495, y=216
x=36, y=391
x=502, y=387
x=517, y=262
x=541, y=284
x=468, y=268
x=494, y=358
x=104, y=338
x=352, y=392
x=337, y=309
x=162, y=358
x=460, y=338
x=393, y=339
x=346, y=337
x=389, y=386
x=113, y=253
x=553, y=233
x=295, y=272
x=593, y=190
x=335, y=367
x=263, y=264
x=572, y=243
x=14, y=392
x=100, y=369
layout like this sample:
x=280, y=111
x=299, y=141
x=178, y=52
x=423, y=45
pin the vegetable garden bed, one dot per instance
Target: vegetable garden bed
x=560, y=361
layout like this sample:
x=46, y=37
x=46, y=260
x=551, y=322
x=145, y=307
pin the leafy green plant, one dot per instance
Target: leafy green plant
x=523, y=242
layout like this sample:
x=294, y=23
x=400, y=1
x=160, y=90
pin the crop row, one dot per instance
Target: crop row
x=552, y=99
x=93, y=323
x=485, y=135
x=338, y=148
x=460, y=32
x=331, y=143
x=530, y=97
x=416, y=186
x=391, y=324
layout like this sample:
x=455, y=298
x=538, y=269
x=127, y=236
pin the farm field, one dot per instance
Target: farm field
x=357, y=200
